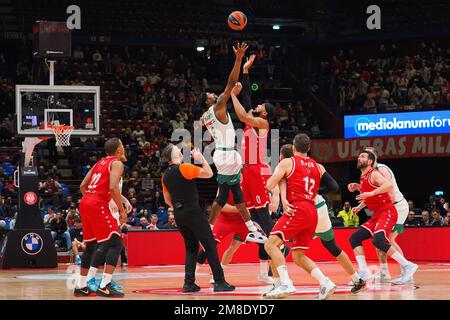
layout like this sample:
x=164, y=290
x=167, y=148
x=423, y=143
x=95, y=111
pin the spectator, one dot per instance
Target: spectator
x=348, y=217
x=417, y=211
x=445, y=204
x=58, y=227
x=426, y=221
x=153, y=223
x=447, y=219
x=138, y=133
x=143, y=222
x=49, y=217
x=438, y=220
x=171, y=224
x=411, y=220
x=76, y=235
x=72, y=216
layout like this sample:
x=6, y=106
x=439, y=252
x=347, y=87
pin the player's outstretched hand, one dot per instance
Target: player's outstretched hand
x=239, y=49
x=352, y=187
x=248, y=64
x=196, y=155
x=236, y=89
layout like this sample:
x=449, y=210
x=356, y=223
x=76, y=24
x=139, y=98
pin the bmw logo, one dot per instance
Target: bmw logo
x=32, y=243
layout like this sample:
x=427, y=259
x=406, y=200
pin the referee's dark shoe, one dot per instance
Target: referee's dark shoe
x=358, y=286
x=190, y=288
x=223, y=286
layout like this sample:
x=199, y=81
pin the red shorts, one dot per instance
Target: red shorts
x=228, y=223
x=254, y=178
x=300, y=225
x=382, y=221
x=98, y=223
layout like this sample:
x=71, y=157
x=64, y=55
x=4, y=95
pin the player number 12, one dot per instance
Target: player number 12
x=309, y=185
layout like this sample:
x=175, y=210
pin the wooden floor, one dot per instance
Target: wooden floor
x=432, y=281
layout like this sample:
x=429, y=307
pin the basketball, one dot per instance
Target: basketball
x=237, y=20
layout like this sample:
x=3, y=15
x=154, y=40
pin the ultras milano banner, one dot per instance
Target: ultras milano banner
x=411, y=146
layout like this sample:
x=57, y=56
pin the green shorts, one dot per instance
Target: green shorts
x=229, y=179
x=325, y=236
x=399, y=228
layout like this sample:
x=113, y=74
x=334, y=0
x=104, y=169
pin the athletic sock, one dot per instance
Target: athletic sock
x=284, y=276
x=105, y=280
x=251, y=227
x=400, y=259
x=263, y=267
x=82, y=282
x=362, y=265
x=384, y=268
x=355, y=277
x=319, y=276
x=91, y=273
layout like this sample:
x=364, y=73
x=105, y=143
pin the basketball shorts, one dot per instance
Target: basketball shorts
x=229, y=223
x=98, y=222
x=402, y=211
x=256, y=195
x=227, y=162
x=324, y=229
x=382, y=221
x=299, y=225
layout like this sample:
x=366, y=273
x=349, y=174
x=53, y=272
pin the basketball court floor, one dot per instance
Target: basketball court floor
x=432, y=282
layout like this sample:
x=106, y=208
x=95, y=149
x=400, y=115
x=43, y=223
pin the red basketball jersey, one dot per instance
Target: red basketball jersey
x=303, y=181
x=377, y=202
x=99, y=182
x=253, y=146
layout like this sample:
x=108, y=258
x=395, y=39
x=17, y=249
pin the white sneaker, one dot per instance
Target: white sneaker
x=281, y=291
x=256, y=236
x=264, y=278
x=274, y=286
x=383, y=277
x=408, y=274
x=326, y=290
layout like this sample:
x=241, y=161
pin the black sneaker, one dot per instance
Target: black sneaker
x=109, y=292
x=223, y=286
x=83, y=292
x=358, y=286
x=190, y=288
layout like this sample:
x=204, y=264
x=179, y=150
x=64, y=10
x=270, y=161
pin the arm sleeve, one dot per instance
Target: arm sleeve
x=189, y=171
x=246, y=92
x=328, y=184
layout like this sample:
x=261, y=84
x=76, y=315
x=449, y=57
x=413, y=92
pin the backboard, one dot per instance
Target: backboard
x=38, y=107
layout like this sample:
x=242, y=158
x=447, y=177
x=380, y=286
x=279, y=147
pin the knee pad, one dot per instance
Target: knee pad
x=332, y=247
x=238, y=195
x=358, y=237
x=222, y=196
x=86, y=258
x=380, y=242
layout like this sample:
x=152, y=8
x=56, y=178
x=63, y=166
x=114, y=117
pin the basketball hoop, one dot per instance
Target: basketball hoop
x=62, y=135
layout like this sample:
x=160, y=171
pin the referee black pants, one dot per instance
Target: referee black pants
x=194, y=227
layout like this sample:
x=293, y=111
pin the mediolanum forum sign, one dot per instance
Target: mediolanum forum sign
x=396, y=124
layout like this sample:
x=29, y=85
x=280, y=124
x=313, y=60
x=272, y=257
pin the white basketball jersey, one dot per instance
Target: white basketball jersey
x=398, y=195
x=223, y=134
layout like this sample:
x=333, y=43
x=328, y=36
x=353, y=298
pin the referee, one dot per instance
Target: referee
x=180, y=193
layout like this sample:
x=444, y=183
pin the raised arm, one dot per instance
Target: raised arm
x=248, y=118
x=220, y=107
x=384, y=185
x=246, y=95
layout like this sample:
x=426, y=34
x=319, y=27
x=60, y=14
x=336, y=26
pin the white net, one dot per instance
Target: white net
x=62, y=135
